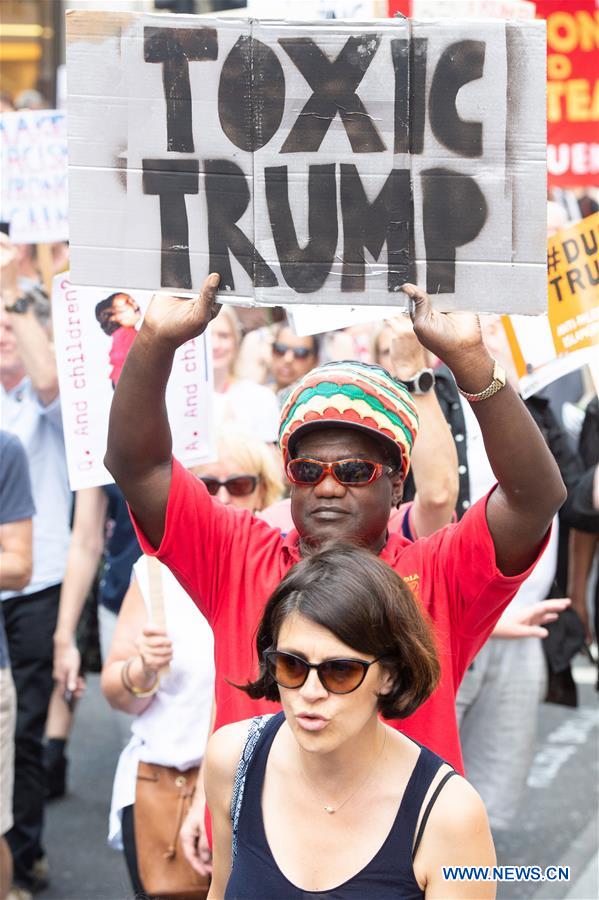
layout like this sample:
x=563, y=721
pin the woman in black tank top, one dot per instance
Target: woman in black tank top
x=324, y=800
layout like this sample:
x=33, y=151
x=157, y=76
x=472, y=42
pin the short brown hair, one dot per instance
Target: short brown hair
x=364, y=603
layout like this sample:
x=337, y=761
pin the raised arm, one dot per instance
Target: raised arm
x=144, y=649
x=139, y=437
x=530, y=489
x=434, y=458
x=33, y=339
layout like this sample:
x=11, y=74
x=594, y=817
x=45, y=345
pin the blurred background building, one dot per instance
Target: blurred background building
x=32, y=39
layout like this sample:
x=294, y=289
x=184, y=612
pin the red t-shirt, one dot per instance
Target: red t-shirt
x=229, y=561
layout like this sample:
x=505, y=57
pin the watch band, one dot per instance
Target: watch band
x=497, y=383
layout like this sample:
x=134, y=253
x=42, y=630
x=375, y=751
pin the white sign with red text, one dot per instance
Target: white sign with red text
x=93, y=330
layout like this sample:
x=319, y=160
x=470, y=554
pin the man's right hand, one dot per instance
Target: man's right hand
x=176, y=320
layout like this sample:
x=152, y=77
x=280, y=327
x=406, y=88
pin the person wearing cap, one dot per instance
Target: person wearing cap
x=347, y=431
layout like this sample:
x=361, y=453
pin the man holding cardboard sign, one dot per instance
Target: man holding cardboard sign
x=229, y=563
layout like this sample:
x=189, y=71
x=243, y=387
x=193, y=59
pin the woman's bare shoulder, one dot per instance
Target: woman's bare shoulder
x=225, y=747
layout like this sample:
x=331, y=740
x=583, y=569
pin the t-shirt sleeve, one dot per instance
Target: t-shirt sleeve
x=463, y=563
x=205, y=542
x=16, y=500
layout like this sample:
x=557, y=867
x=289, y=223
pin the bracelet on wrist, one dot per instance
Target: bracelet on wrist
x=138, y=693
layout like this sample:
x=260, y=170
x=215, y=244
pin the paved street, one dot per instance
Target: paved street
x=558, y=824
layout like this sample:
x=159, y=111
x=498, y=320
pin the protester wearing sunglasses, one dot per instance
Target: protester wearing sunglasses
x=246, y=474
x=464, y=574
x=325, y=797
x=292, y=357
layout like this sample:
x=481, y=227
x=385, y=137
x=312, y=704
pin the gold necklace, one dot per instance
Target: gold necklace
x=333, y=809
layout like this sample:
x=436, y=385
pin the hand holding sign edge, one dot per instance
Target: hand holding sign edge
x=176, y=320
x=456, y=338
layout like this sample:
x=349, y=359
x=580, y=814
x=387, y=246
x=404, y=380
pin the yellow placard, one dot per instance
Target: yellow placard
x=573, y=285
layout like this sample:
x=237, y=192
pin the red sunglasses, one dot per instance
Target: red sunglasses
x=348, y=472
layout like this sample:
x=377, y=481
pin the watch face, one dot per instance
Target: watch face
x=425, y=381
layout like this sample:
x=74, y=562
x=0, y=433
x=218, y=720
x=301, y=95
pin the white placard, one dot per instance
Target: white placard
x=89, y=361
x=33, y=192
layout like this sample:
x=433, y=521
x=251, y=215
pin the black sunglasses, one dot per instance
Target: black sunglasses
x=237, y=485
x=338, y=676
x=299, y=352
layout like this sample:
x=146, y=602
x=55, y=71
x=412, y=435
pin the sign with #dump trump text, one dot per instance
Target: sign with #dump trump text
x=573, y=283
x=309, y=162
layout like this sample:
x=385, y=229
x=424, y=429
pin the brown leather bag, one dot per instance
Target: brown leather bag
x=162, y=800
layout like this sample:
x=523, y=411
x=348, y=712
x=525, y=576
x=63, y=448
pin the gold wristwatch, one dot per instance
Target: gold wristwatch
x=496, y=384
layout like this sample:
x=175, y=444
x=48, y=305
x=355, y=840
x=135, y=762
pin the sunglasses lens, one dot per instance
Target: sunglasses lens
x=302, y=352
x=354, y=471
x=288, y=671
x=304, y=471
x=298, y=352
x=340, y=676
x=212, y=484
x=241, y=486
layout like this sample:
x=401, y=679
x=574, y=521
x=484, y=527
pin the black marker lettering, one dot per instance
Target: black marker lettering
x=251, y=94
x=305, y=269
x=227, y=197
x=459, y=64
x=369, y=224
x=175, y=48
x=334, y=85
x=171, y=179
x=454, y=211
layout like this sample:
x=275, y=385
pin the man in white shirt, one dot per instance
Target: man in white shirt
x=30, y=408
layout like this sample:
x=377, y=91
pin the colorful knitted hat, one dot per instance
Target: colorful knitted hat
x=354, y=395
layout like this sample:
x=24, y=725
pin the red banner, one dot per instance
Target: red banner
x=572, y=91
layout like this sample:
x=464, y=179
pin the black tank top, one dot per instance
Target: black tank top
x=256, y=876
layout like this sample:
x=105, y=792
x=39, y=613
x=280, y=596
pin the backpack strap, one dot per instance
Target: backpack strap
x=257, y=726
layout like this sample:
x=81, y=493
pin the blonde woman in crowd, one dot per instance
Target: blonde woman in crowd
x=238, y=401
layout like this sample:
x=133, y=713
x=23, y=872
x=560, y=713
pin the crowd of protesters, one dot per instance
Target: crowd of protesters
x=352, y=598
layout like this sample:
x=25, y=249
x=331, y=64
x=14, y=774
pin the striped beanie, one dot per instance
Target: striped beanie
x=355, y=395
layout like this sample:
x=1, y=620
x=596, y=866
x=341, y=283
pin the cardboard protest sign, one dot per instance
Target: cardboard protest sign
x=33, y=187
x=533, y=352
x=93, y=331
x=573, y=281
x=306, y=319
x=325, y=162
x=572, y=91
x=545, y=348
